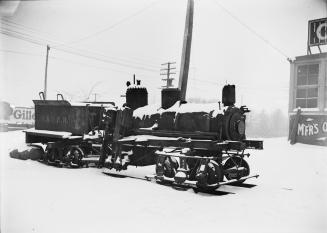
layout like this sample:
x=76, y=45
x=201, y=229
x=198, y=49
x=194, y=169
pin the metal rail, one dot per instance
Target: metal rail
x=192, y=183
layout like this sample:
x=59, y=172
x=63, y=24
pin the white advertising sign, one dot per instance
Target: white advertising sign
x=22, y=115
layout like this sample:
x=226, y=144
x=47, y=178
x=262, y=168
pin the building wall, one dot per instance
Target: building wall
x=308, y=91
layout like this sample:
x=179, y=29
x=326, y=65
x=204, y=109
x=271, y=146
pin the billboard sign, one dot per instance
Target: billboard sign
x=22, y=115
x=317, y=32
x=311, y=129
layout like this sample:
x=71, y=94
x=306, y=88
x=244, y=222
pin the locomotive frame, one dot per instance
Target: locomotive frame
x=203, y=163
x=203, y=160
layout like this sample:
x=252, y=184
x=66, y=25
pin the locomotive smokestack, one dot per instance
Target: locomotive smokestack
x=228, y=95
x=136, y=96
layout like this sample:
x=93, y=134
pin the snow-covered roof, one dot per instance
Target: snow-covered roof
x=134, y=86
x=106, y=105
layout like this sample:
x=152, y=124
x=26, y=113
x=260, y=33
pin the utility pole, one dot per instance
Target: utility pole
x=167, y=72
x=186, y=53
x=46, y=74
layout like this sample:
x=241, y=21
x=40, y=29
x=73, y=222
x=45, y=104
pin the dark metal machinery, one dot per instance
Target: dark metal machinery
x=196, y=159
x=76, y=135
x=72, y=133
x=197, y=149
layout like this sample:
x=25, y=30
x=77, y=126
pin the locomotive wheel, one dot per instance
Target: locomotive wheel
x=213, y=175
x=50, y=155
x=75, y=155
x=170, y=167
x=65, y=157
x=236, y=162
x=215, y=172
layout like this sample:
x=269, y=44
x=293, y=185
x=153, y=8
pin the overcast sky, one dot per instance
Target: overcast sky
x=136, y=36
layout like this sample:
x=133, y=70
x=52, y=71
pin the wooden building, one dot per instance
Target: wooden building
x=308, y=99
x=308, y=90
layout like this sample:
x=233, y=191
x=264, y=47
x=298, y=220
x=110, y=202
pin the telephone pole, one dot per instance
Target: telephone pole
x=186, y=52
x=167, y=72
x=46, y=74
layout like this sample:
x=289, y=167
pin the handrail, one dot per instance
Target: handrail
x=41, y=94
x=62, y=97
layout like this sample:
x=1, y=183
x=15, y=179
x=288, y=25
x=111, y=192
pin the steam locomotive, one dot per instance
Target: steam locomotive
x=202, y=146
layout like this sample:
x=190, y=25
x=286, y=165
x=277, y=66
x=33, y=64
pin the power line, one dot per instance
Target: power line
x=10, y=34
x=27, y=29
x=104, y=60
x=23, y=36
x=61, y=59
x=23, y=29
x=19, y=26
x=115, y=24
x=127, y=61
x=43, y=41
x=252, y=30
x=74, y=62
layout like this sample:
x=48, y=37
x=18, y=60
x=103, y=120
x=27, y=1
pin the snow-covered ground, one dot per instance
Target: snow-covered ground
x=289, y=196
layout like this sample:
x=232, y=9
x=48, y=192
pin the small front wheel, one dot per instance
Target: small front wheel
x=50, y=155
x=169, y=166
x=236, y=168
x=75, y=155
x=212, y=175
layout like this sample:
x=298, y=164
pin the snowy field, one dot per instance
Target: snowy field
x=289, y=196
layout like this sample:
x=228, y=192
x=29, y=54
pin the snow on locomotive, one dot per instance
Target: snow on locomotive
x=197, y=145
